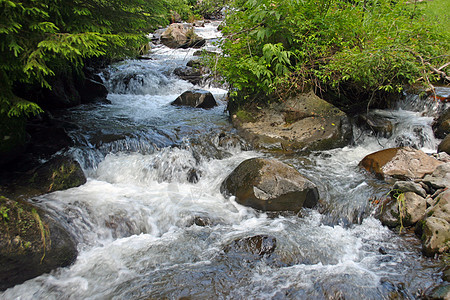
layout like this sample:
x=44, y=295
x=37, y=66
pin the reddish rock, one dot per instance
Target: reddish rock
x=402, y=163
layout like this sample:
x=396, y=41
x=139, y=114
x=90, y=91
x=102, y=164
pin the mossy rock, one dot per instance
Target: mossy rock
x=301, y=123
x=31, y=243
x=59, y=173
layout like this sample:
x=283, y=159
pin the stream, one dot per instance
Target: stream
x=155, y=169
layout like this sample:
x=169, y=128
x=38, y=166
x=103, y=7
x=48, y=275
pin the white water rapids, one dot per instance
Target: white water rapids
x=134, y=218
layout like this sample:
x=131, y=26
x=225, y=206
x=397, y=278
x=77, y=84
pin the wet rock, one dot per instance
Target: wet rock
x=194, y=63
x=435, y=236
x=304, y=122
x=442, y=125
x=269, y=185
x=440, y=178
x=31, y=243
x=202, y=221
x=440, y=292
x=402, y=163
x=441, y=207
x=92, y=90
x=180, y=36
x=59, y=173
x=376, y=124
x=406, y=210
x=190, y=74
x=193, y=176
x=409, y=186
x=257, y=245
x=196, y=98
x=444, y=146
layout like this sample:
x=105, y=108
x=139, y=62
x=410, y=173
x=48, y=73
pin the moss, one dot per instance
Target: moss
x=245, y=116
x=22, y=230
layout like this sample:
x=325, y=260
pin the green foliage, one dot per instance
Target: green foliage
x=274, y=46
x=39, y=39
x=209, y=8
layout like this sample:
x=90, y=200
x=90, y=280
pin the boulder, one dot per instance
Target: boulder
x=442, y=125
x=190, y=74
x=376, y=123
x=31, y=243
x=412, y=207
x=444, y=146
x=439, y=292
x=196, y=98
x=304, y=122
x=270, y=185
x=57, y=174
x=92, y=90
x=258, y=245
x=409, y=186
x=435, y=235
x=181, y=36
x=441, y=208
x=440, y=178
x=402, y=163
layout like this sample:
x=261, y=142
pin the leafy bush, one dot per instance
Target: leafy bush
x=277, y=47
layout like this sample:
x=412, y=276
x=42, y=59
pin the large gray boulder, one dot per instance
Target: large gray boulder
x=31, y=243
x=402, y=163
x=304, y=122
x=181, y=36
x=270, y=185
x=196, y=98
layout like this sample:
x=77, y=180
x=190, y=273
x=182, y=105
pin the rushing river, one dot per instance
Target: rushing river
x=154, y=169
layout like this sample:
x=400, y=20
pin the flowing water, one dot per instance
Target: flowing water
x=154, y=169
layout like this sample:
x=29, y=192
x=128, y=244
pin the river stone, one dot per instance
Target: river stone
x=270, y=185
x=257, y=245
x=196, y=98
x=402, y=163
x=31, y=243
x=439, y=292
x=181, y=36
x=440, y=178
x=444, y=146
x=409, y=186
x=188, y=73
x=441, y=208
x=435, y=236
x=442, y=125
x=376, y=123
x=303, y=122
x=414, y=210
x=60, y=173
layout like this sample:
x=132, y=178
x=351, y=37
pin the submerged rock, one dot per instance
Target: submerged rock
x=304, y=122
x=180, y=36
x=270, y=185
x=196, y=98
x=402, y=163
x=31, y=243
x=256, y=245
